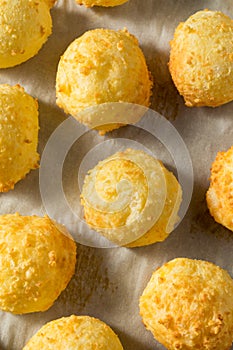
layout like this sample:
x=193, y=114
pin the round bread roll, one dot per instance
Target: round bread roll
x=201, y=59
x=18, y=135
x=102, y=66
x=75, y=332
x=188, y=305
x=105, y=3
x=25, y=27
x=219, y=194
x=37, y=259
x=131, y=199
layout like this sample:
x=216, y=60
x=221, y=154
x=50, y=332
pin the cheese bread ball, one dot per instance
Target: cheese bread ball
x=18, y=135
x=75, y=332
x=37, y=259
x=102, y=66
x=25, y=27
x=105, y=3
x=220, y=193
x=131, y=199
x=201, y=59
x=188, y=305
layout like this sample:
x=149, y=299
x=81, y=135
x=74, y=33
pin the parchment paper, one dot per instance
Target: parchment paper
x=108, y=282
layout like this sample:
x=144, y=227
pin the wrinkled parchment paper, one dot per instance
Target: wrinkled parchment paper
x=108, y=282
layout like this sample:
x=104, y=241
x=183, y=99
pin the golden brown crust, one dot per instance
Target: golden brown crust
x=201, y=59
x=18, y=135
x=50, y=3
x=37, y=259
x=75, y=332
x=105, y=3
x=188, y=305
x=169, y=217
x=102, y=66
x=25, y=27
x=220, y=193
x=131, y=199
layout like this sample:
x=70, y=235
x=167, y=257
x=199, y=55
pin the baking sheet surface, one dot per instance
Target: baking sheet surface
x=108, y=282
